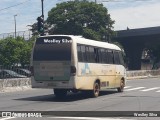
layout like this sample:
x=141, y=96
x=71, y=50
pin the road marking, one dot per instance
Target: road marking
x=127, y=87
x=89, y=118
x=137, y=88
x=158, y=91
x=150, y=89
x=7, y=118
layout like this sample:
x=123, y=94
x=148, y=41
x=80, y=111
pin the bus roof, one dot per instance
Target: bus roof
x=82, y=40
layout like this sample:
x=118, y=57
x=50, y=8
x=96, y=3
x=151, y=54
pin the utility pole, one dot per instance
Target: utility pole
x=42, y=19
x=15, y=24
x=42, y=8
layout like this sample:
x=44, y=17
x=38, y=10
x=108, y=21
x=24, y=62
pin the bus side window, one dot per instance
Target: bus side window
x=96, y=55
x=92, y=55
x=80, y=57
x=87, y=54
x=110, y=57
x=121, y=58
x=99, y=55
x=83, y=50
x=116, y=58
x=103, y=56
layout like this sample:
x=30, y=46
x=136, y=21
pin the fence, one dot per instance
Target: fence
x=14, y=72
x=25, y=34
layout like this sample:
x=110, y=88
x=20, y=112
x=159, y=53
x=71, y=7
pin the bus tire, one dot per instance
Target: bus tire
x=122, y=84
x=96, y=89
x=60, y=93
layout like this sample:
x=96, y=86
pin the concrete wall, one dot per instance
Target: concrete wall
x=142, y=74
x=16, y=84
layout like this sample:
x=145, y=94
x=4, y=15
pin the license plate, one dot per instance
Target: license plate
x=51, y=84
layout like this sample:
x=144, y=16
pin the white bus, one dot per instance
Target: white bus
x=72, y=63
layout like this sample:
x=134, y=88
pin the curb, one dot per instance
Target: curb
x=142, y=77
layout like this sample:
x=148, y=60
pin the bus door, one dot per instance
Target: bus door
x=111, y=68
x=108, y=68
x=118, y=60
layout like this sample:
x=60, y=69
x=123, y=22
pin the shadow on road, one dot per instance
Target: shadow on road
x=69, y=98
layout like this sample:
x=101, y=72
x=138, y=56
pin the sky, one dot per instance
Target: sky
x=126, y=13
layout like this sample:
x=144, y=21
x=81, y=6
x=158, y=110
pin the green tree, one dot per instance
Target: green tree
x=25, y=52
x=80, y=18
x=14, y=51
x=34, y=29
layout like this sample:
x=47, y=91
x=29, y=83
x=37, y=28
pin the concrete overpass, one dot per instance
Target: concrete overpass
x=135, y=40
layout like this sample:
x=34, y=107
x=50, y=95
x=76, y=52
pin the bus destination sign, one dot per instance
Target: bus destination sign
x=56, y=41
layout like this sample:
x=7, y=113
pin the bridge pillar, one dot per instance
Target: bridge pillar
x=133, y=52
x=135, y=40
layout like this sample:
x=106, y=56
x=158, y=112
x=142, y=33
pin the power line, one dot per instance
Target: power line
x=14, y=5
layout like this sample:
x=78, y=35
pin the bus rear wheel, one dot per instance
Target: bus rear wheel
x=96, y=89
x=121, y=88
x=60, y=93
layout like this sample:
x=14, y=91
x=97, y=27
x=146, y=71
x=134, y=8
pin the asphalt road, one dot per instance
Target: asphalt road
x=139, y=95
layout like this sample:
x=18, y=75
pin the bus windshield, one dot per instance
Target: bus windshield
x=57, y=48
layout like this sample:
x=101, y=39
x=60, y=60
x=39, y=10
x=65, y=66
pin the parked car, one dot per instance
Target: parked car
x=9, y=74
x=23, y=72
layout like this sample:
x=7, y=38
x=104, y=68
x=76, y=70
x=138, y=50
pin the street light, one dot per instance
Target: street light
x=15, y=23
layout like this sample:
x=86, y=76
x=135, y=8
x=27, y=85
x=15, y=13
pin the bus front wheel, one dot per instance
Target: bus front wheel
x=60, y=93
